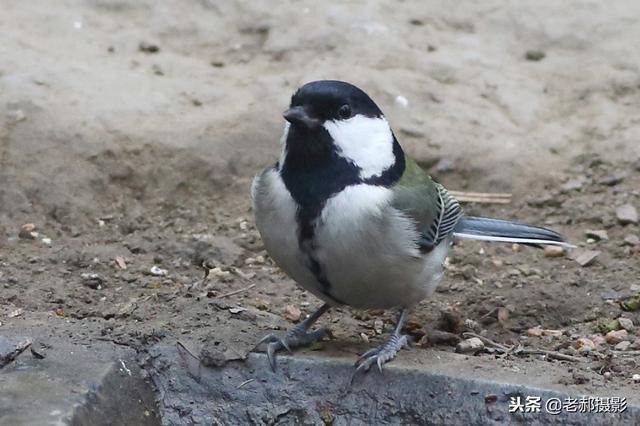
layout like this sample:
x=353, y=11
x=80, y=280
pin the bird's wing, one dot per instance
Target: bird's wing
x=428, y=203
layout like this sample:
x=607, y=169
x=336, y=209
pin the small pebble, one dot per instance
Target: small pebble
x=585, y=345
x=573, y=184
x=597, y=234
x=28, y=231
x=626, y=323
x=402, y=101
x=261, y=304
x=378, y=326
x=16, y=313
x=471, y=345
x=472, y=325
x=553, y=251
x=534, y=332
x=612, y=179
x=584, y=257
x=622, y=346
x=636, y=378
x=616, y=336
x=92, y=280
x=219, y=273
x=16, y=116
x=627, y=214
x=120, y=262
x=158, y=272
x=598, y=339
x=503, y=315
x=552, y=333
x=534, y=55
x=632, y=240
x=148, y=47
x=292, y=313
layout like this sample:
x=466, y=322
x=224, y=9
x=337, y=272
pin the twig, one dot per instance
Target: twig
x=628, y=353
x=246, y=382
x=232, y=293
x=186, y=350
x=482, y=197
x=521, y=351
x=550, y=354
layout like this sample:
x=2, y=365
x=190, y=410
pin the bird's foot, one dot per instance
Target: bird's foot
x=380, y=355
x=385, y=352
x=296, y=337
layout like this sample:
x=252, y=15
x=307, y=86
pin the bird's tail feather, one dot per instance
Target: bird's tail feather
x=481, y=228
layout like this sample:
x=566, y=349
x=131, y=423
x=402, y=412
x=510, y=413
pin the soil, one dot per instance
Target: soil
x=130, y=131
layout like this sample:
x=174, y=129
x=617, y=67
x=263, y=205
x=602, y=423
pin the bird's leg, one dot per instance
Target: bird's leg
x=385, y=352
x=297, y=336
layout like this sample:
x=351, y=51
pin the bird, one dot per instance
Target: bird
x=353, y=219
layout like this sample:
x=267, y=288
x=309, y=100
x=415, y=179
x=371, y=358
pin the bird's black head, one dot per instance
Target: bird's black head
x=332, y=123
x=327, y=100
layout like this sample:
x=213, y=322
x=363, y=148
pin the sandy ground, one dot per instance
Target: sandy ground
x=127, y=158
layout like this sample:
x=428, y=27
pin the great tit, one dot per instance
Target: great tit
x=353, y=219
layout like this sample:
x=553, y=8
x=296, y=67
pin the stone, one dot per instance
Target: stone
x=626, y=323
x=627, y=214
x=597, y=234
x=573, y=184
x=11, y=348
x=471, y=345
x=612, y=179
x=632, y=240
x=616, y=336
x=622, y=346
x=553, y=251
x=292, y=313
x=28, y=232
x=92, y=280
x=534, y=55
x=534, y=332
x=157, y=271
x=584, y=257
x=597, y=339
x=585, y=345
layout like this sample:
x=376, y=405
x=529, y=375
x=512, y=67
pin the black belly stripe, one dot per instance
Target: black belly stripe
x=313, y=172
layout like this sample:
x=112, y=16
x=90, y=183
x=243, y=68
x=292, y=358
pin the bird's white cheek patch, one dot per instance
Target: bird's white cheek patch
x=366, y=141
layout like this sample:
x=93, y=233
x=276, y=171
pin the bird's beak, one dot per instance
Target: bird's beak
x=299, y=115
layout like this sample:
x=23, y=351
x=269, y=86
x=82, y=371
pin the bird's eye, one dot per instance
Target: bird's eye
x=345, y=111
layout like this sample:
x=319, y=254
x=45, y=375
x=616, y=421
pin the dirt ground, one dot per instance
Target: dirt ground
x=130, y=131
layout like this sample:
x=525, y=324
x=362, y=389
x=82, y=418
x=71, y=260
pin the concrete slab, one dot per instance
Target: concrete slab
x=107, y=385
x=76, y=385
x=312, y=390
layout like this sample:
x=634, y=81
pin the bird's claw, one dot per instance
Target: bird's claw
x=380, y=355
x=297, y=337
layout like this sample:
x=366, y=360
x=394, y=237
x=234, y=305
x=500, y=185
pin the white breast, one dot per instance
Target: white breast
x=365, y=247
x=369, y=252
